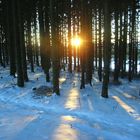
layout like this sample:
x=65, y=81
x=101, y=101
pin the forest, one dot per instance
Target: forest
x=85, y=50
x=40, y=32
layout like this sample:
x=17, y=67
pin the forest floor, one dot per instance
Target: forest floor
x=74, y=115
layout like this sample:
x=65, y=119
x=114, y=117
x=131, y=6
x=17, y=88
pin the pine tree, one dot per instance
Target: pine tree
x=55, y=55
x=107, y=47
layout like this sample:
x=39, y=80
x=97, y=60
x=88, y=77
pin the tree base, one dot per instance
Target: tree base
x=104, y=96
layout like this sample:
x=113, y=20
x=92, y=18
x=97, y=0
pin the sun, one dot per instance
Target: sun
x=76, y=41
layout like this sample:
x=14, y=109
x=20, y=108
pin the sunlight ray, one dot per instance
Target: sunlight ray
x=72, y=101
x=65, y=131
x=127, y=108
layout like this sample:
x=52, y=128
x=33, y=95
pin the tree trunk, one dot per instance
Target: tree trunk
x=107, y=47
x=55, y=55
x=69, y=37
x=100, y=47
x=17, y=33
x=116, y=49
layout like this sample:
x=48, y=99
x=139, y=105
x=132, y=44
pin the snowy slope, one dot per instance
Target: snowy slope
x=75, y=115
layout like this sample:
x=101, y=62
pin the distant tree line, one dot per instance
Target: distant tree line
x=39, y=32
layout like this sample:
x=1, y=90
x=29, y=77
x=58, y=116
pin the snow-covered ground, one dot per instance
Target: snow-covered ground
x=75, y=115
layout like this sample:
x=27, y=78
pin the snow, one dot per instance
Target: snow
x=75, y=115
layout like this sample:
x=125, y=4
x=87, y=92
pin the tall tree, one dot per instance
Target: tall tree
x=47, y=61
x=18, y=34
x=107, y=47
x=100, y=44
x=116, y=49
x=54, y=36
x=69, y=37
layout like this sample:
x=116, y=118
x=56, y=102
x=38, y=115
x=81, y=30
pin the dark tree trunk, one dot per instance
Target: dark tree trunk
x=55, y=55
x=12, y=45
x=47, y=63
x=96, y=40
x=131, y=45
x=82, y=51
x=36, y=43
x=107, y=47
x=11, y=40
x=41, y=31
x=23, y=49
x=89, y=46
x=100, y=46
x=17, y=33
x=125, y=43
x=69, y=37
x=30, y=46
x=116, y=50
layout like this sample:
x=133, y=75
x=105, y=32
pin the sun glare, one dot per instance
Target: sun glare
x=76, y=41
